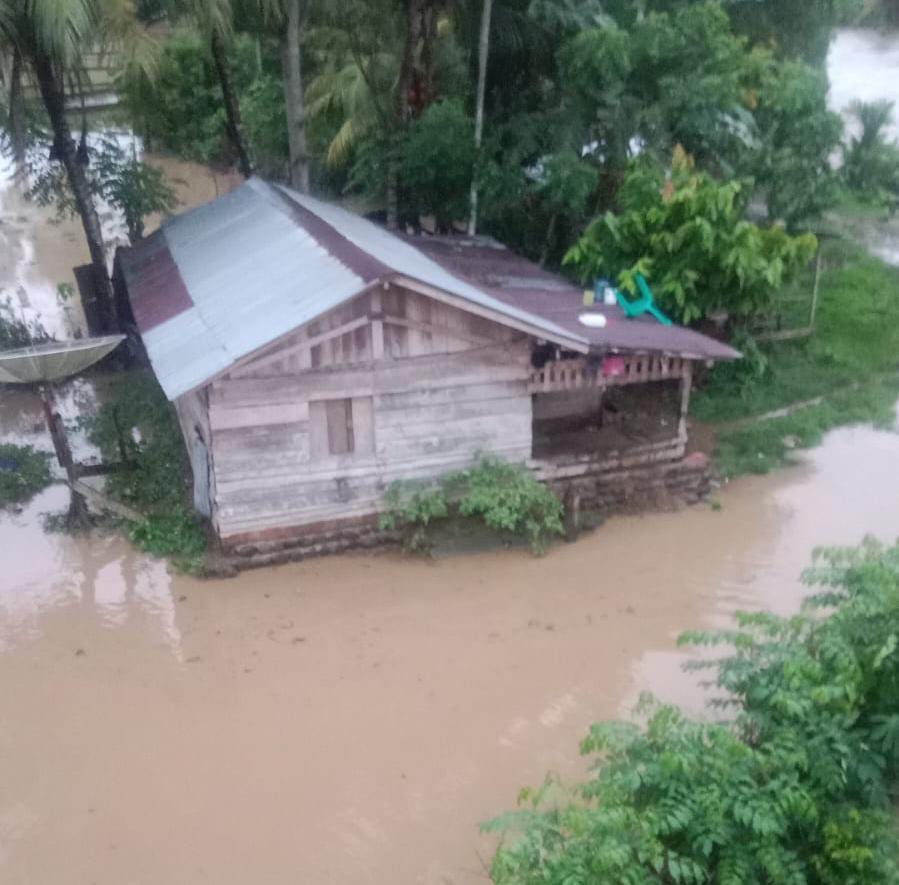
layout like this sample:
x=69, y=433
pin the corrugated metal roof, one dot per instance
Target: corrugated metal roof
x=225, y=279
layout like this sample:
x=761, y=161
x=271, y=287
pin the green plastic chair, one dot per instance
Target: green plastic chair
x=644, y=304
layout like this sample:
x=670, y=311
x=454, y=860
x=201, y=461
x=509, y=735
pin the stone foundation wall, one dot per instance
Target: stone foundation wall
x=659, y=486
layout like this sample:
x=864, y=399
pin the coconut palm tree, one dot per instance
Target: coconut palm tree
x=50, y=35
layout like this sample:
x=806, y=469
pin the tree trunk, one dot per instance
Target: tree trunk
x=483, y=52
x=17, y=113
x=232, y=107
x=405, y=89
x=53, y=96
x=295, y=103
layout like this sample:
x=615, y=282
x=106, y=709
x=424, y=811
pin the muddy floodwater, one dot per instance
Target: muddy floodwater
x=353, y=719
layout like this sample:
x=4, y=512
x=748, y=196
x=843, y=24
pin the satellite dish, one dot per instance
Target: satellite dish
x=42, y=364
x=55, y=360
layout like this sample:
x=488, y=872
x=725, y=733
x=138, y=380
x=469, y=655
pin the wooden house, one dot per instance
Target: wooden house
x=314, y=358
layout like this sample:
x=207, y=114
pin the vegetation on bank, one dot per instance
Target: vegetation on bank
x=796, y=784
x=24, y=472
x=505, y=497
x=851, y=362
x=158, y=483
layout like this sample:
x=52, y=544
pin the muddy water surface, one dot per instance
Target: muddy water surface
x=353, y=719
x=38, y=251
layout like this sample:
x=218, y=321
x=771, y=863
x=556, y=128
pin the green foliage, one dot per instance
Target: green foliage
x=438, y=162
x=795, y=788
x=795, y=28
x=506, y=497
x=796, y=135
x=115, y=175
x=23, y=473
x=689, y=238
x=138, y=414
x=856, y=338
x=18, y=331
x=179, y=108
x=762, y=446
x=677, y=77
x=870, y=162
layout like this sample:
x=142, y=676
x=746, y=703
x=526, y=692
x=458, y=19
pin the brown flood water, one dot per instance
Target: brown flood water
x=353, y=719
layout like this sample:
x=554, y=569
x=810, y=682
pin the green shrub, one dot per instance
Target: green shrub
x=797, y=787
x=688, y=236
x=23, y=473
x=159, y=483
x=505, y=497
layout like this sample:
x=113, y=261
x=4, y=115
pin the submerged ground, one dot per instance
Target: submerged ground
x=353, y=719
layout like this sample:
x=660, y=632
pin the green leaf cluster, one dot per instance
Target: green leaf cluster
x=688, y=235
x=24, y=471
x=797, y=786
x=504, y=496
x=137, y=415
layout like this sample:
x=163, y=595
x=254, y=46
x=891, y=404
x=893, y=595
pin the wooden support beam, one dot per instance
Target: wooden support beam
x=685, y=386
x=377, y=328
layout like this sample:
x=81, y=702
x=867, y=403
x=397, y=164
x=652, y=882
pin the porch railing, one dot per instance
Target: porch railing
x=578, y=374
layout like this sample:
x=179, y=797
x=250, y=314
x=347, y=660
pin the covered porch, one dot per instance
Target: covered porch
x=609, y=412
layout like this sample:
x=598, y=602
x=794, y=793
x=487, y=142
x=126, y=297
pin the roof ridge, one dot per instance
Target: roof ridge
x=362, y=263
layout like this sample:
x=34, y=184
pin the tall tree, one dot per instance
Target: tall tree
x=296, y=20
x=16, y=117
x=50, y=34
x=483, y=51
x=215, y=18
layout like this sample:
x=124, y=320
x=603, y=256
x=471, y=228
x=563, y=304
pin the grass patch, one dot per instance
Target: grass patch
x=24, y=471
x=159, y=486
x=760, y=447
x=857, y=336
x=852, y=360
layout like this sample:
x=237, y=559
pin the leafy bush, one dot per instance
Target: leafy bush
x=506, y=497
x=437, y=163
x=23, y=473
x=796, y=787
x=117, y=176
x=159, y=485
x=181, y=110
x=796, y=137
x=688, y=236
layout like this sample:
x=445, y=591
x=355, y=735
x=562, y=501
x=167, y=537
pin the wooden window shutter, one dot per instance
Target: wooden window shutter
x=363, y=425
x=340, y=426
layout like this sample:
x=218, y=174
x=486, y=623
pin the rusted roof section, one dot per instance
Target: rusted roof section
x=509, y=277
x=224, y=280
x=155, y=287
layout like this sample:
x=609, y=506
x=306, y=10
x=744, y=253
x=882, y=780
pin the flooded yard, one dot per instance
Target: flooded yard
x=353, y=719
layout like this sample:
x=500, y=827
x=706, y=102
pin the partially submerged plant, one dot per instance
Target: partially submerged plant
x=24, y=471
x=505, y=497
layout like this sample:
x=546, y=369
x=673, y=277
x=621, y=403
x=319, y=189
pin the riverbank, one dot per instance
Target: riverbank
x=846, y=372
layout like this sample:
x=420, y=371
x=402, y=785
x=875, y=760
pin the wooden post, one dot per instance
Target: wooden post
x=78, y=512
x=814, y=310
x=377, y=327
x=685, y=386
